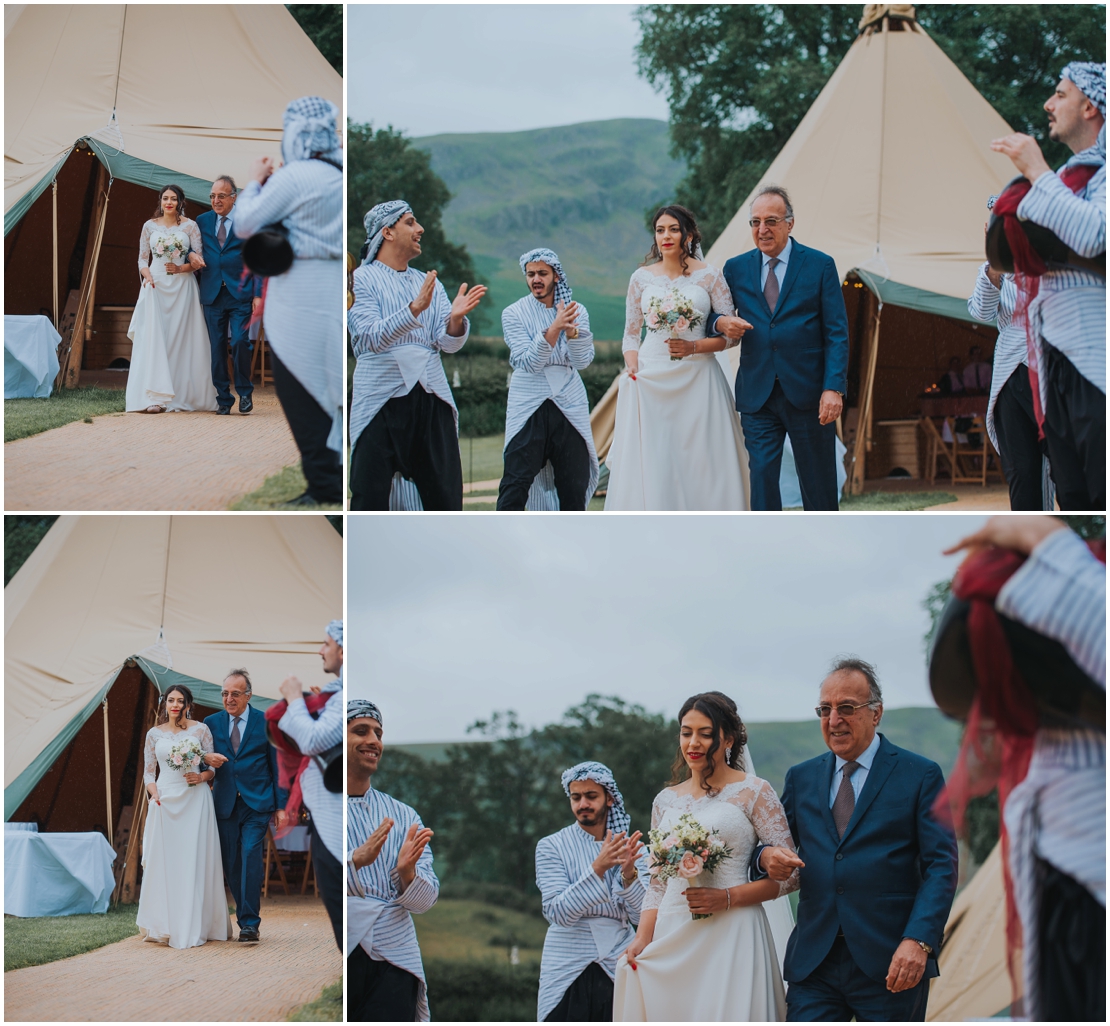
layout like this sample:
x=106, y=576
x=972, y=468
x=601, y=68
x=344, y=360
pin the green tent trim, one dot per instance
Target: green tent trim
x=120, y=165
x=912, y=298
x=203, y=692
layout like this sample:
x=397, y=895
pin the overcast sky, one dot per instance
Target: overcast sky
x=433, y=68
x=452, y=618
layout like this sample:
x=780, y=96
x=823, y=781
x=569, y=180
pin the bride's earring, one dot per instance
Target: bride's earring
x=728, y=756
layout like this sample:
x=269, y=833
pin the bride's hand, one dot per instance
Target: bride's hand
x=632, y=952
x=706, y=900
x=193, y=778
x=632, y=363
x=148, y=278
x=681, y=347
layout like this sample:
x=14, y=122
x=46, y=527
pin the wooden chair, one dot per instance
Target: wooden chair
x=971, y=459
x=258, y=360
x=309, y=871
x=936, y=448
x=273, y=860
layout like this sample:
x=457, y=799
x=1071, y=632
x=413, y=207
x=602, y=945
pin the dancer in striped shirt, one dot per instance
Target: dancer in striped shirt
x=403, y=416
x=589, y=878
x=547, y=421
x=389, y=877
x=1067, y=317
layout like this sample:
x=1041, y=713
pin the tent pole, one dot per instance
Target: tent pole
x=862, y=443
x=82, y=323
x=55, y=190
x=128, y=885
x=108, y=774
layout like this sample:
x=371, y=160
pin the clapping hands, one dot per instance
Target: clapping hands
x=618, y=850
x=416, y=840
x=565, y=320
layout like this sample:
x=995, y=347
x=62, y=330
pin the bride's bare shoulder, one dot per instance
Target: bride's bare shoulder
x=650, y=269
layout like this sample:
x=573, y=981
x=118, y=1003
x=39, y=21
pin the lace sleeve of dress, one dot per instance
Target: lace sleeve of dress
x=633, y=313
x=193, y=232
x=204, y=736
x=657, y=888
x=769, y=819
x=150, y=760
x=721, y=297
x=144, y=247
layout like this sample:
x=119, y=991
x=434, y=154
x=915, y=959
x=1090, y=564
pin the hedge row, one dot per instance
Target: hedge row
x=481, y=991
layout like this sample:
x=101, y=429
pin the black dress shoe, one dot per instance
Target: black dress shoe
x=245, y=404
x=248, y=937
x=224, y=411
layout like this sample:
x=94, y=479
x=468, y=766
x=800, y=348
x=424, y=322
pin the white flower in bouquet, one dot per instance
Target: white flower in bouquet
x=672, y=310
x=186, y=756
x=686, y=850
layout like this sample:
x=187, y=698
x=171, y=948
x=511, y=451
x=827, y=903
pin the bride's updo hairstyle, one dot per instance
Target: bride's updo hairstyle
x=179, y=193
x=691, y=236
x=164, y=713
x=722, y=712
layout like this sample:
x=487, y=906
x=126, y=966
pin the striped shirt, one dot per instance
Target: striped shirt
x=305, y=196
x=396, y=351
x=314, y=737
x=375, y=889
x=593, y=919
x=542, y=371
x=1069, y=311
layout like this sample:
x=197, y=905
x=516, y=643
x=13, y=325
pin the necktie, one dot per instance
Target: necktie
x=221, y=235
x=771, y=286
x=235, y=746
x=845, y=802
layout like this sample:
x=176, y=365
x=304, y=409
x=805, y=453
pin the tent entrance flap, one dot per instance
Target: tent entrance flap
x=202, y=691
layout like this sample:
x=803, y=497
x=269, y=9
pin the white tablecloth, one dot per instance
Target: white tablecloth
x=56, y=874
x=30, y=356
x=296, y=840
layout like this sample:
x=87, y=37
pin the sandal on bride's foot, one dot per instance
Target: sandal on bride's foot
x=155, y=409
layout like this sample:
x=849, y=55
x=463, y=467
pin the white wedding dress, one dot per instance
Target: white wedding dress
x=182, y=900
x=171, y=356
x=725, y=968
x=677, y=442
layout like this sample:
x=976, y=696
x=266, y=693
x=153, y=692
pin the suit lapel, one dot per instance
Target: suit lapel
x=828, y=768
x=793, y=268
x=881, y=768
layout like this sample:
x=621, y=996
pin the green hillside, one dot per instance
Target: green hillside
x=778, y=746
x=582, y=190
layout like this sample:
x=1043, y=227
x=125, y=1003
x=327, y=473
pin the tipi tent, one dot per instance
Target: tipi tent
x=113, y=102
x=889, y=173
x=110, y=610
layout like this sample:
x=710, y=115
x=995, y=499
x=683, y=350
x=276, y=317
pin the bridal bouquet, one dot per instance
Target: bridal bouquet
x=687, y=849
x=185, y=756
x=674, y=311
x=168, y=246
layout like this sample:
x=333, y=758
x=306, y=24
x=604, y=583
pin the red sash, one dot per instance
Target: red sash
x=291, y=763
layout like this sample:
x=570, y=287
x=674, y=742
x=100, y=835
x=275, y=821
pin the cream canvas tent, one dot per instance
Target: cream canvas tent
x=113, y=102
x=889, y=172
x=109, y=610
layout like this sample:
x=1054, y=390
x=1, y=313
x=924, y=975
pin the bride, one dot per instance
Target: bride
x=182, y=899
x=725, y=967
x=171, y=356
x=677, y=443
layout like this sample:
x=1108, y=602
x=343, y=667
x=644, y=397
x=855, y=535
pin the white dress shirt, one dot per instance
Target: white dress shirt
x=859, y=778
x=780, y=267
x=242, y=722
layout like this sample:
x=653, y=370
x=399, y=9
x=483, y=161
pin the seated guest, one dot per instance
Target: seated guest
x=953, y=381
x=977, y=373
x=588, y=876
x=389, y=877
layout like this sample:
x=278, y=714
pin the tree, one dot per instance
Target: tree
x=384, y=165
x=739, y=78
x=323, y=24
x=21, y=536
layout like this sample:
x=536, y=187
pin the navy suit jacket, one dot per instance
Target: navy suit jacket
x=223, y=266
x=804, y=343
x=252, y=773
x=892, y=875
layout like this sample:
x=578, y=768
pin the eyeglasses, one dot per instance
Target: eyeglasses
x=232, y=694
x=219, y=195
x=845, y=711
x=770, y=222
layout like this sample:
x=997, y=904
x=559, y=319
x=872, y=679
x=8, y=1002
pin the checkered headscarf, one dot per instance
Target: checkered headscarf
x=311, y=127
x=361, y=708
x=601, y=774
x=1090, y=80
x=551, y=258
x=377, y=219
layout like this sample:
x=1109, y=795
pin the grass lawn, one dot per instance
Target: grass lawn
x=38, y=941
x=276, y=492
x=461, y=930
x=481, y=458
x=894, y=501
x=328, y=1007
x=26, y=417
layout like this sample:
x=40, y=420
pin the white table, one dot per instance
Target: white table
x=56, y=874
x=296, y=840
x=30, y=356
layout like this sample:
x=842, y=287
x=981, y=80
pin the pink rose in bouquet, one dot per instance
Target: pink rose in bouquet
x=690, y=865
x=670, y=842
x=681, y=324
x=178, y=761
x=653, y=320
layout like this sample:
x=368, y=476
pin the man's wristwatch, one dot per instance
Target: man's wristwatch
x=924, y=947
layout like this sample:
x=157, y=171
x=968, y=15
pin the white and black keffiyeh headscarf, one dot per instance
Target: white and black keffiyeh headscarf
x=599, y=773
x=551, y=258
x=363, y=708
x=377, y=219
x=311, y=129
x=1090, y=80
x=334, y=630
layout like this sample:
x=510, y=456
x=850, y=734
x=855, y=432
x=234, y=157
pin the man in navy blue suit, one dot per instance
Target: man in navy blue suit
x=878, y=871
x=793, y=360
x=245, y=795
x=225, y=301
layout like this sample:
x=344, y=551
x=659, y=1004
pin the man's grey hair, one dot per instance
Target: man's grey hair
x=226, y=178
x=774, y=190
x=850, y=664
x=240, y=673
